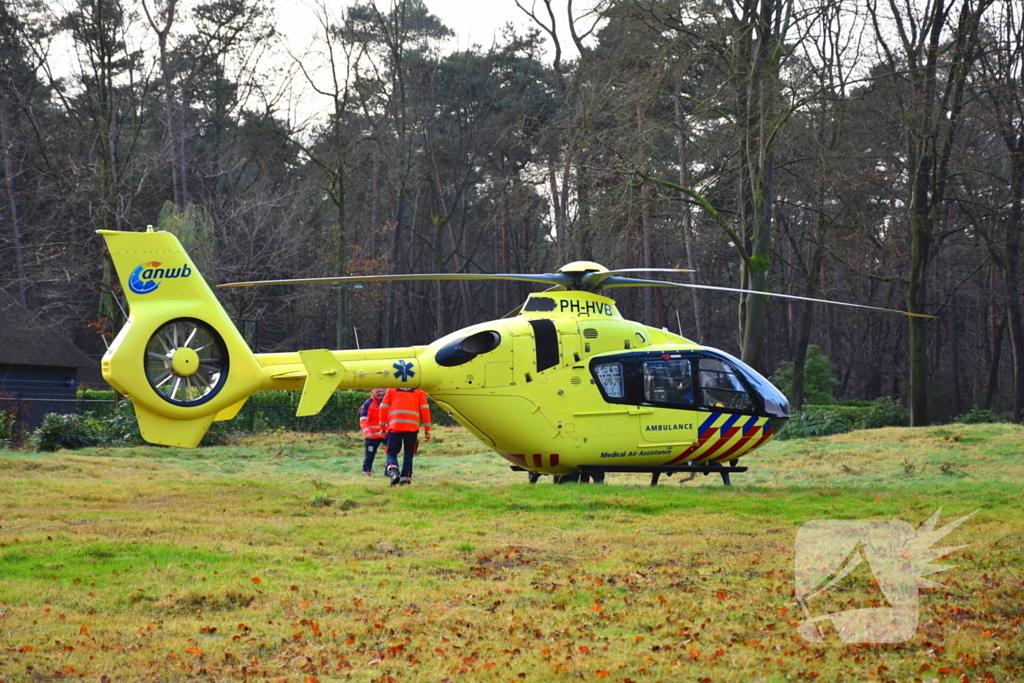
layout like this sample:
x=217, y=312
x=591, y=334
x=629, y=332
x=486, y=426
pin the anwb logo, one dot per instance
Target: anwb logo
x=880, y=563
x=146, y=278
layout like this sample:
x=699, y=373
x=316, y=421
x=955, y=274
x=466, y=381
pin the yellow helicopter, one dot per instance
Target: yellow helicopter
x=567, y=387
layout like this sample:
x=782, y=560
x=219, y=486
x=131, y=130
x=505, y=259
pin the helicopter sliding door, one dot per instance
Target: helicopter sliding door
x=668, y=381
x=661, y=393
x=667, y=385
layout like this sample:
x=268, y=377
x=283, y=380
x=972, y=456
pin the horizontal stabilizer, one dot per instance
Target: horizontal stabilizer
x=323, y=375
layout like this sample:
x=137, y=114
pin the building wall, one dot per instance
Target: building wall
x=33, y=391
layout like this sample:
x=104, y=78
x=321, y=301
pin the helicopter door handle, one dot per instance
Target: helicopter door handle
x=641, y=411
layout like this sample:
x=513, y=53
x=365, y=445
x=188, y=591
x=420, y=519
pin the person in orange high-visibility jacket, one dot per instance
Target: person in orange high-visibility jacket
x=373, y=431
x=402, y=413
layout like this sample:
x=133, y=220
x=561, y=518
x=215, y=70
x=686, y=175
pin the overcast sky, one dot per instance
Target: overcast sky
x=474, y=22
x=477, y=22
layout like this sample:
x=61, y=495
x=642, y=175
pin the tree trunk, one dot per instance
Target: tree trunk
x=992, y=385
x=684, y=181
x=505, y=255
x=183, y=169
x=396, y=252
x=12, y=197
x=757, y=61
x=932, y=119
x=803, y=337
x=557, y=209
x=172, y=130
x=1012, y=276
x=464, y=288
x=440, y=289
x=954, y=364
x=756, y=306
x=1016, y=326
x=921, y=163
x=342, y=329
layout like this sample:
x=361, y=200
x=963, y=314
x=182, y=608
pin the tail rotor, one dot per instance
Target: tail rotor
x=186, y=362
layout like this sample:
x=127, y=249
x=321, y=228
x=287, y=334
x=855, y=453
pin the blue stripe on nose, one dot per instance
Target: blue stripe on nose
x=706, y=425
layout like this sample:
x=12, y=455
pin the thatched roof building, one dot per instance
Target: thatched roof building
x=39, y=366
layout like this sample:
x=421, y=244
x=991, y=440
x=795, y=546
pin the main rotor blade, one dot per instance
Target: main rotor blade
x=598, y=278
x=544, y=278
x=631, y=282
x=649, y=270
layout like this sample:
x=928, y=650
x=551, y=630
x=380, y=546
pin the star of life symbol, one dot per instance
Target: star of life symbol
x=897, y=556
x=403, y=370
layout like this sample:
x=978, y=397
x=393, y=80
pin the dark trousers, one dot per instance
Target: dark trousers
x=396, y=442
x=370, y=452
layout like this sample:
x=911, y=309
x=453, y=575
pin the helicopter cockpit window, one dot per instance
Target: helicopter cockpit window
x=610, y=377
x=721, y=387
x=668, y=381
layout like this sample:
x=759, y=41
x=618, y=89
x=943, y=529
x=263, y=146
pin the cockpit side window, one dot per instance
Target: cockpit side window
x=721, y=388
x=668, y=381
x=611, y=377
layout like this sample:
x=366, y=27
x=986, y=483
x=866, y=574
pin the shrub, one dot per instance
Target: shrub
x=811, y=423
x=264, y=412
x=978, y=415
x=858, y=402
x=819, y=380
x=97, y=403
x=837, y=419
x=67, y=431
x=13, y=411
x=121, y=428
x=7, y=421
x=272, y=410
x=885, y=412
x=216, y=435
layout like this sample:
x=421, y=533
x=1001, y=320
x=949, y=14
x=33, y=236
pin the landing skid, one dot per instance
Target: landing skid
x=596, y=474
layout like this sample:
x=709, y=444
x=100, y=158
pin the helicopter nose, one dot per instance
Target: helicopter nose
x=778, y=424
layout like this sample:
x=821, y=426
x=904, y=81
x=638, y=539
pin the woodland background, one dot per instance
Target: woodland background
x=867, y=151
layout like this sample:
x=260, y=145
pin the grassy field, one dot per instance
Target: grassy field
x=274, y=560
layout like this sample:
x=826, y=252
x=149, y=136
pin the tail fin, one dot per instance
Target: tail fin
x=323, y=374
x=179, y=358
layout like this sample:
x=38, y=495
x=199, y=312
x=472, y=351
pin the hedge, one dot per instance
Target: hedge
x=100, y=420
x=825, y=420
x=271, y=410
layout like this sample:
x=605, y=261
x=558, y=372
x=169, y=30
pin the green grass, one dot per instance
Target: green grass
x=274, y=560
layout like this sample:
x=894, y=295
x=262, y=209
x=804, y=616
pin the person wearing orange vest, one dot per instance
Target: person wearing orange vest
x=373, y=431
x=402, y=413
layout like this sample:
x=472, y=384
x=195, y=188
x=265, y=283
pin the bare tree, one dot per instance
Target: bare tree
x=1002, y=88
x=928, y=49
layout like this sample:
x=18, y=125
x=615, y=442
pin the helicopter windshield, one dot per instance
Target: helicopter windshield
x=775, y=402
x=721, y=387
